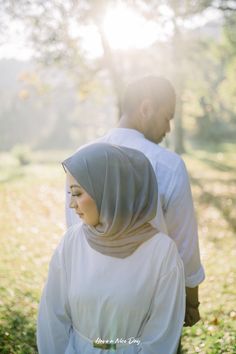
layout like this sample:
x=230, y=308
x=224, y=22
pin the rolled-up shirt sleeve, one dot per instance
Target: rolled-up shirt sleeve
x=182, y=225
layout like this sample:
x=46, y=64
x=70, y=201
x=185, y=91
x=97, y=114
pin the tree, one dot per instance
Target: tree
x=178, y=12
x=50, y=24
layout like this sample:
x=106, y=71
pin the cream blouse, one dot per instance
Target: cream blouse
x=136, y=304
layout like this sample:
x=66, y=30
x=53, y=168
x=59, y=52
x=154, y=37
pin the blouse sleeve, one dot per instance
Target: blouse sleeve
x=162, y=331
x=54, y=320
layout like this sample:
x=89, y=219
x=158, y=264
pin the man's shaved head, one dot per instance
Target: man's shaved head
x=149, y=106
x=156, y=88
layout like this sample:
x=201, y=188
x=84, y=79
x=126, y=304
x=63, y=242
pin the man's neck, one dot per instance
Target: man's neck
x=126, y=122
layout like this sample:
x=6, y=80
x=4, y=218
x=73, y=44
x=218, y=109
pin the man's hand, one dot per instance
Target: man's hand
x=192, y=314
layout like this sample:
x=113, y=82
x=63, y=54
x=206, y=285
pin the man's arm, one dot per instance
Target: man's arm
x=182, y=228
x=192, y=314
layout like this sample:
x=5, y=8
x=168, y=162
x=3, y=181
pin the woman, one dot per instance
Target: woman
x=114, y=282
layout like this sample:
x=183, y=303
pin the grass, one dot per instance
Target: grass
x=32, y=222
x=213, y=179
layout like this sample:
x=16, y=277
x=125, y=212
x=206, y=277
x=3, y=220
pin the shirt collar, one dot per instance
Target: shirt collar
x=126, y=132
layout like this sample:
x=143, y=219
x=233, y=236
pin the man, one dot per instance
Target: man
x=148, y=107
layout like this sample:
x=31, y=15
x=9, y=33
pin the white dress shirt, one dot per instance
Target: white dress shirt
x=139, y=299
x=175, y=212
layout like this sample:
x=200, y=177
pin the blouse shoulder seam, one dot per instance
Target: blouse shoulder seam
x=177, y=265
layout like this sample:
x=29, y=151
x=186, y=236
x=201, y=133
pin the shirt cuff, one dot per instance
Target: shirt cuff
x=195, y=279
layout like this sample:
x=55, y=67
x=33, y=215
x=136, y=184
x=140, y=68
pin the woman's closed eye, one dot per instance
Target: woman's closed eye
x=77, y=194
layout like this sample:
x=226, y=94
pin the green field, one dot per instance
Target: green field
x=32, y=222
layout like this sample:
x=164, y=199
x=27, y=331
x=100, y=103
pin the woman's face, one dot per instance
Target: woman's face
x=83, y=204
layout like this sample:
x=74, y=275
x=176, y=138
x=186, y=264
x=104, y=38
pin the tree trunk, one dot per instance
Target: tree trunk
x=116, y=80
x=178, y=78
x=179, y=133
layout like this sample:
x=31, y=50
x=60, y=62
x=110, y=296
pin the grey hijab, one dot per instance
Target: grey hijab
x=123, y=185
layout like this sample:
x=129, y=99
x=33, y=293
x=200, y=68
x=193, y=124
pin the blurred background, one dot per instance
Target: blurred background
x=63, y=68
x=64, y=65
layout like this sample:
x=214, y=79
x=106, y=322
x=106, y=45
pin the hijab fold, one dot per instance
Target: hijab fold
x=123, y=185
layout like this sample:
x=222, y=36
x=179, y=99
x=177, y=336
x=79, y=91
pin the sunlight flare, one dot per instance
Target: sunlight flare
x=125, y=28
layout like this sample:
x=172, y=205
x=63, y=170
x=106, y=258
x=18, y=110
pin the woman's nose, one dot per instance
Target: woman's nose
x=72, y=203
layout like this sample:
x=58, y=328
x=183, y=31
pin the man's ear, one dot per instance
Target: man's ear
x=146, y=109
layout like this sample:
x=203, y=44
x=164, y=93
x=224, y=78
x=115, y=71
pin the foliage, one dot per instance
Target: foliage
x=201, y=67
x=22, y=154
x=50, y=26
x=54, y=29
x=33, y=196
x=210, y=93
